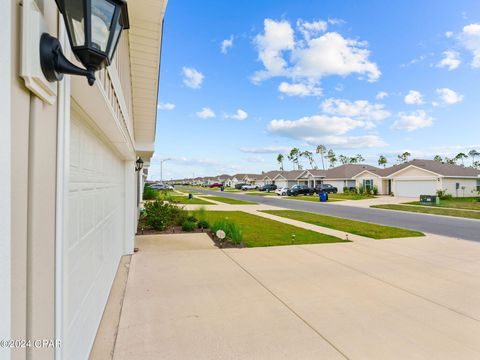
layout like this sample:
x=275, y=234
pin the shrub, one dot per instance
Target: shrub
x=361, y=189
x=149, y=193
x=192, y=218
x=188, y=226
x=346, y=190
x=375, y=190
x=160, y=215
x=442, y=194
x=203, y=224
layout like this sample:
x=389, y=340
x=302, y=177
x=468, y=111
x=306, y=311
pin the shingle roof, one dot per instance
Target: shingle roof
x=348, y=171
x=290, y=174
x=433, y=166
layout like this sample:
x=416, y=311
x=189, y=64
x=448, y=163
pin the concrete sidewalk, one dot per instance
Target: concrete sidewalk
x=391, y=299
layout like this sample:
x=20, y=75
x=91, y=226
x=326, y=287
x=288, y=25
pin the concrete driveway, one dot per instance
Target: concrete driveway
x=378, y=299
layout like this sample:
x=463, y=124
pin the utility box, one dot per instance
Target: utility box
x=429, y=200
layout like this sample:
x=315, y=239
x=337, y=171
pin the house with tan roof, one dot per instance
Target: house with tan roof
x=422, y=177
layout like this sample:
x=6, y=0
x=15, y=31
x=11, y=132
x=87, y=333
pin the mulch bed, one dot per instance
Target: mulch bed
x=178, y=230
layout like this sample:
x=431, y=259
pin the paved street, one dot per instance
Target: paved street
x=453, y=227
x=391, y=299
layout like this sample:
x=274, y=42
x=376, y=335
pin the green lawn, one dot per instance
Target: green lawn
x=259, y=231
x=229, y=201
x=434, y=210
x=185, y=200
x=350, y=196
x=313, y=198
x=261, y=193
x=468, y=203
x=373, y=231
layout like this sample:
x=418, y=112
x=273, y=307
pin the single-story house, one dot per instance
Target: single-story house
x=422, y=177
x=286, y=178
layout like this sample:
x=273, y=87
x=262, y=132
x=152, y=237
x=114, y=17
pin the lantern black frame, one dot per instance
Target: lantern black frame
x=54, y=64
x=139, y=164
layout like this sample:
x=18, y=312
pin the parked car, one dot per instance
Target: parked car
x=214, y=185
x=249, y=187
x=300, y=190
x=329, y=189
x=282, y=191
x=268, y=187
x=161, y=187
x=239, y=185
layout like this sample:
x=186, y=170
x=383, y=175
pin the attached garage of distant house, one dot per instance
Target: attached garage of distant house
x=413, y=182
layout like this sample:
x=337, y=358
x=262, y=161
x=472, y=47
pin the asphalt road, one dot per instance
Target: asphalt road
x=454, y=227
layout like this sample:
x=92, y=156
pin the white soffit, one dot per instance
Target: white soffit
x=145, y=36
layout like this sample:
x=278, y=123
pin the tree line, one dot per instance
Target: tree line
x=331, y=159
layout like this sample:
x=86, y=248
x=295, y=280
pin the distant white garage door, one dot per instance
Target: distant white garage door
x=281, y=183
x=415, y=188
x=95, y=236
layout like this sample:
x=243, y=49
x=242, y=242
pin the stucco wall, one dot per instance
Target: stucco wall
x=415, y=173
x=377, y=181
x=470, y=186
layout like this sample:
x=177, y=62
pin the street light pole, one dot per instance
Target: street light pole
x=161, y=169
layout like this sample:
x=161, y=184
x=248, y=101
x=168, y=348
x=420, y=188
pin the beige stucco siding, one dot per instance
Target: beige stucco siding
x=450, y=185
x=413, y=172
x=377, y=181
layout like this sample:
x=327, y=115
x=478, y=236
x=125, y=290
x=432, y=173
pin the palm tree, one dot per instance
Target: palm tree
x=461, y=156
x=293, y=157
x=353, y=160
x=382, y=160
x=321, y=150
x=309, y=156
x=359, y=158
x=403, y=158
x=344, y=159
x=438, y=158
x=280, y=159
x=473, y=154
x=450, y=161
x=332, y=158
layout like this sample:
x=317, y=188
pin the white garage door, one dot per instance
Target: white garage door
x=95, y=236
x=415, y=188
x=281, y=183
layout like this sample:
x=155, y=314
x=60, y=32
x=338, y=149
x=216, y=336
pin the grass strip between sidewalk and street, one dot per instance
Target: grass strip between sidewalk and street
x=229, y=200
x=185, y=200
x=431, y=210
x=373, y=231
x=259, y=231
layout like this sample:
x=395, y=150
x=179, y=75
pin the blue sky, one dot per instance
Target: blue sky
x=360, y=77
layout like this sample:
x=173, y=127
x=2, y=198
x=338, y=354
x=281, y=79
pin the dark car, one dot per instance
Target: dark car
x=329, y=189
x=239, y=185
x=268, y=187
x=300, y=190
x=214, y=185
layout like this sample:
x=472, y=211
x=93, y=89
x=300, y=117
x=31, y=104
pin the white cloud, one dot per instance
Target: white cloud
x=299, y=89
x=255, y=159
x=226, y=44
x=205, y=113
x=470, y=39
x=413, y=98
x=266, y=149
x=311, y=58
x=359, y=109
x=239, y=115
x=309, y=29
x=277, y=37
x=352, y=142
x=412, y=121
x=448, y=34
x=451, y=60
x=448, y=96
x=165, y=106
x=381, y=95
x=192, y=77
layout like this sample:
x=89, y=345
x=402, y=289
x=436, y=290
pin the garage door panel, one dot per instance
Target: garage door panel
x=415, y=188
x=95, y=236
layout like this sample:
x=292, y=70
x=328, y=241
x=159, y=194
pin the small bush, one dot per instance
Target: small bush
x=188, y=226
x=149, y=193
x=203, y=224
x=160, y=215
x=233, y=232
x=375, y=190
x=346, y=190
x=442, y=194
x=368, y=191
x=361, y=189
x=192, y=218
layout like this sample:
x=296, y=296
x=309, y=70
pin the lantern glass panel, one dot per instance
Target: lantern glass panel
x=102, y=16
x=117, y=30
x=74, y=15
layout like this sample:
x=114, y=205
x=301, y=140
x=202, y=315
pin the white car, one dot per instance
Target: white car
x=249, y=187
x=282, y=191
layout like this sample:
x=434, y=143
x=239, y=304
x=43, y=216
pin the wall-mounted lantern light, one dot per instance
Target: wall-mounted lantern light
x=139, y=164
x=94, y=28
